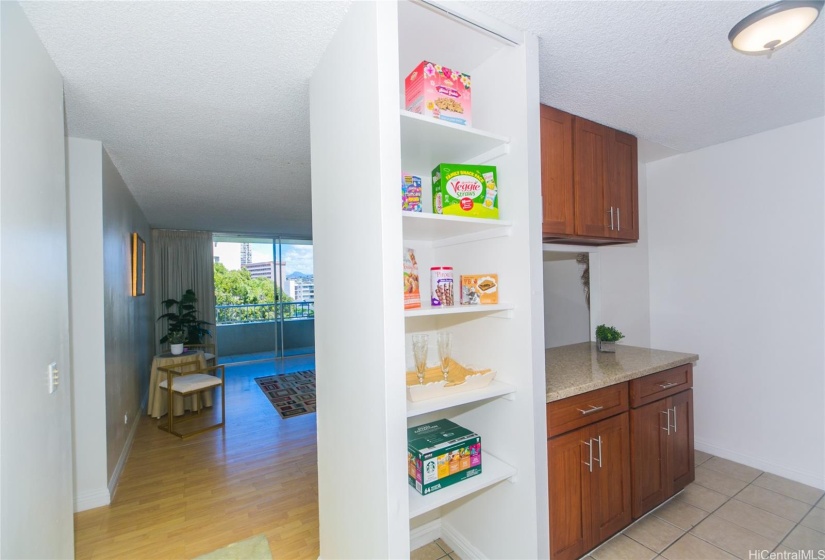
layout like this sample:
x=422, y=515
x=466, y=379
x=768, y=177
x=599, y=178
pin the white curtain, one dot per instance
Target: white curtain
x=183, y=260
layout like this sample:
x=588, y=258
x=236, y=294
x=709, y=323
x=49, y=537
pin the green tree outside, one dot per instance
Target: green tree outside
x=237, y=287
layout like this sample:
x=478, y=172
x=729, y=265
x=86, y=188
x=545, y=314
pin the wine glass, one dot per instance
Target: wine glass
x=445, y=342
x=420, y=344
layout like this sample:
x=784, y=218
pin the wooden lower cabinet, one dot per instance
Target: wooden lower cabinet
x=662, y=450
x=589, y=486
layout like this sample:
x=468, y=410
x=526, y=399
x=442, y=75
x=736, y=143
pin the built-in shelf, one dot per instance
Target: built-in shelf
x=493, y=470
x=491, y=391
x=428, y=311
x=443, y=230
x=426, y=142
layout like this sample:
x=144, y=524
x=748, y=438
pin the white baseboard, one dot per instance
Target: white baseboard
x=458, y=543
x=811, y=479
x=124, y=454
x=425, y=534
x=90, y=500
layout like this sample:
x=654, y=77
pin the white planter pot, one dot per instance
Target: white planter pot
x=177, y=349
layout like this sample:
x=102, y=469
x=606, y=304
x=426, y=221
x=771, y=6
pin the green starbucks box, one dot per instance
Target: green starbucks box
x=465, y=190
x=440, y=454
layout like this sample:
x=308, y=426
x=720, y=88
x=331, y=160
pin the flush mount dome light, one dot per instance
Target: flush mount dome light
x=773, y=26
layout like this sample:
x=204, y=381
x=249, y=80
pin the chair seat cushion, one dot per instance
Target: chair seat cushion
x=192, y=382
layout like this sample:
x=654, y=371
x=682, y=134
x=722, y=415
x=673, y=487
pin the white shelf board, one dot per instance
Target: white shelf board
x=491, y=391
x=426, y=310
x=426, y=142
x=493, y=470
x=446, y=230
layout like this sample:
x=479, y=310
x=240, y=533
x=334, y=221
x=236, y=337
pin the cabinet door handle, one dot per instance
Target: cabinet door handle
x=599, y=460
x=674, y=419
x=668, y=385
x=611, y=218
x=668, y=420
x=590, y=410
x=618, y=220
x=589, y=445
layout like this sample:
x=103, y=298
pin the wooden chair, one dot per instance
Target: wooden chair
x=192, y=382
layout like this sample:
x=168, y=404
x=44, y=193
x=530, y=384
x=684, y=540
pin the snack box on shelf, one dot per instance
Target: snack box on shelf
x=465, y=190
x=439, y=92
x=479, y=289
x=440, y=454
x=412, y=292
x=410, y=193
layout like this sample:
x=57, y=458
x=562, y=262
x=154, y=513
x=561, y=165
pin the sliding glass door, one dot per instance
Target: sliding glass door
x=295, y=284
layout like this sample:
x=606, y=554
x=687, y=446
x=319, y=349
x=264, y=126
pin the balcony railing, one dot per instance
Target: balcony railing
x=259, y=312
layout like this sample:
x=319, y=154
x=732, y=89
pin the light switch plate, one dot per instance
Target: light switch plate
x=54, y=377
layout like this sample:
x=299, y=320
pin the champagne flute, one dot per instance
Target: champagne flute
x=445, y=342
x=420, y=344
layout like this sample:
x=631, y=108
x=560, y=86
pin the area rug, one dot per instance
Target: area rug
x=253, y=548
x=292, y=394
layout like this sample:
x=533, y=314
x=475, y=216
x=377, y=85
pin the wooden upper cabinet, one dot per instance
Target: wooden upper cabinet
x=557, y=171
x=623, y=170
x=589, y=180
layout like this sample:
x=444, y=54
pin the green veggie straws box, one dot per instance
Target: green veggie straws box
x=465, y=190
x=440, y=454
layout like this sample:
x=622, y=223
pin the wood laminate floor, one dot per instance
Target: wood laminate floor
x=182, y=498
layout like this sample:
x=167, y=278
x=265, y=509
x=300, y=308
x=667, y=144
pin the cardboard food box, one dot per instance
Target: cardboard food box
x=440, y=454
x=412, y=293
x=479, y=289
x=439, y=92
x=410, y=192
x=465, y=190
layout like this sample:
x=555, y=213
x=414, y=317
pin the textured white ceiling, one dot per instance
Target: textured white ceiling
x=203, y=105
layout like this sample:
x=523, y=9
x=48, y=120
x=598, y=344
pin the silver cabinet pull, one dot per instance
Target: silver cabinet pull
x=668, y=420
x=590, y=410
x=599, y=460
x=618, y=220
x=611, y=218
x=668, y=385
x=674, y=419
x=589, y=445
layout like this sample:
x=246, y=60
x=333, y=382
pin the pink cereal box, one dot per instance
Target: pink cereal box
x=440, y=92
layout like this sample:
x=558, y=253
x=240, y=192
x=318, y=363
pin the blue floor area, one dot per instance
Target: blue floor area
x=265, y=363
x=289, y=354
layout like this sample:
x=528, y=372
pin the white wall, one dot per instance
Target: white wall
x=113, y=332
x=35, y=426
x=566, y=314
x=737, y=275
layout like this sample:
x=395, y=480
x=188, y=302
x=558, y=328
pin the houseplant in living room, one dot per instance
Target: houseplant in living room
x=607, y=337
x=182, y=317
x=176, y=340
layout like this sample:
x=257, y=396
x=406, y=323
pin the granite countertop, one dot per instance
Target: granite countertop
x=578, y=368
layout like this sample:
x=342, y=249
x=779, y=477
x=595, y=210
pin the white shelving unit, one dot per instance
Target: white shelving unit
x=493, y=471
x=362, y=140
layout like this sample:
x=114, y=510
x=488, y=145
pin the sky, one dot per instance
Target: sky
x=296, y=258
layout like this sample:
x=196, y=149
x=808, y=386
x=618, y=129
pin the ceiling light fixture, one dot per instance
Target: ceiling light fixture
x=773, y=26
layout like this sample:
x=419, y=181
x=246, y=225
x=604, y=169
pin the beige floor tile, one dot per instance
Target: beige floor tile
x=718, y=482
x=701, y=497
x=429, y=551
x=790, y=488
x=774, y=503
x=731, y=538
x=699, y=457
x=762, y=522
x=680, y=514
x=621, y=547
x=821, y=503
x=803, y=538
x=691, y=548
x=454, y=556
x=815, y=520
x=735, y=470
x=654, y=533
x=444, y=546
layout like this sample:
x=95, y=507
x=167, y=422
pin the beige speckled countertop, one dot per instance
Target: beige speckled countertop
x=578, y=368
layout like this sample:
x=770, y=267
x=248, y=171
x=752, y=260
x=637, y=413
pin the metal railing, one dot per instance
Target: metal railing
x=259, y=312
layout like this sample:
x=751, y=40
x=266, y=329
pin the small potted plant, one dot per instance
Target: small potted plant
x=607, y=338
x=176, y=340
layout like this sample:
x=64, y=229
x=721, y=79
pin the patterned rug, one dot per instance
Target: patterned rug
x=292, y=394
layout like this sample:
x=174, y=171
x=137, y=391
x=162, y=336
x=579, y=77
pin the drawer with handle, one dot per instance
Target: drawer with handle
x=580, y=410
x=655, y=386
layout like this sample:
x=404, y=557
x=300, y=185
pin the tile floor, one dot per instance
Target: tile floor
x=730, y=511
